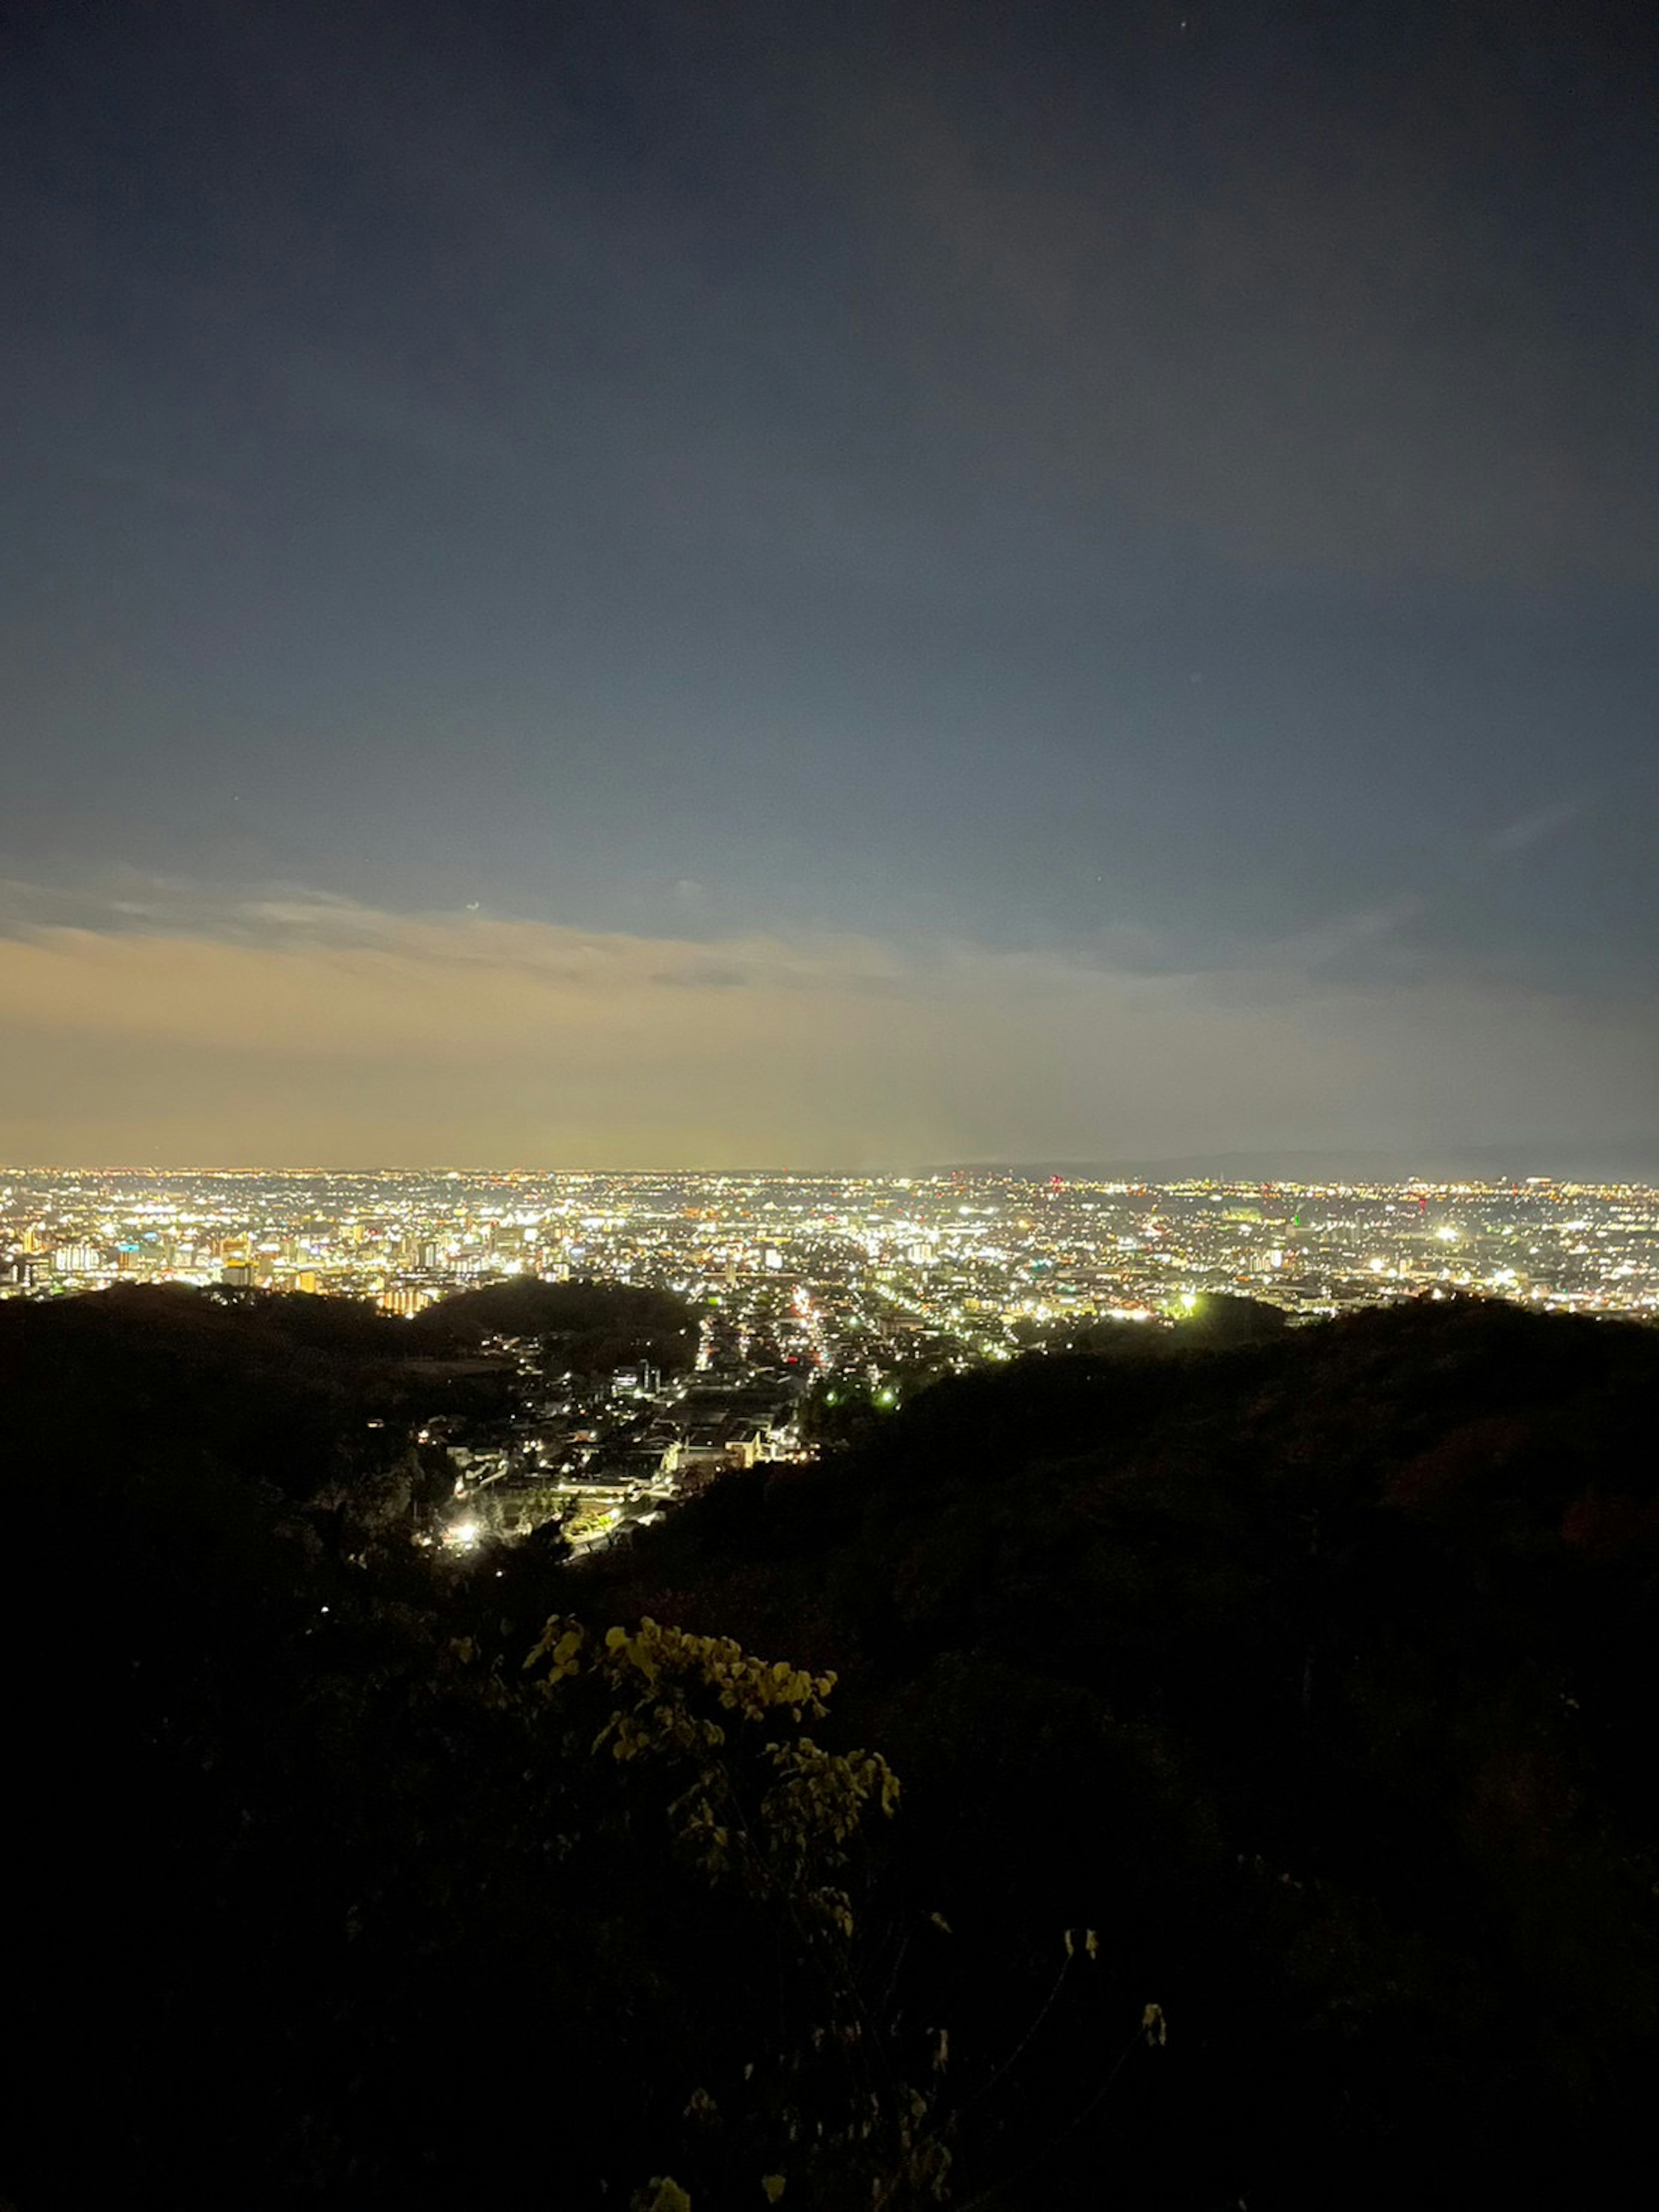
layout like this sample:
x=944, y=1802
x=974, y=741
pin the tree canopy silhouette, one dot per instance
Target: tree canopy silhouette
x=1278, y=1816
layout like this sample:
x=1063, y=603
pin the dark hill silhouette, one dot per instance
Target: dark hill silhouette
x=1314, y=1676
x=268, y=1389
x=599, y=1325
x=1324, y=1667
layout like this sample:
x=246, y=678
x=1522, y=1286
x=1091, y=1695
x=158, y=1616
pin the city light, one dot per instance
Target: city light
x=801, y=1276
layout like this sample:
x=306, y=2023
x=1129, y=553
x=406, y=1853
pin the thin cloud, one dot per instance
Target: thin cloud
x=282, y=1029
x=1279, y=357
x=1528, y=831
x=368, y=402
x=1334, y=941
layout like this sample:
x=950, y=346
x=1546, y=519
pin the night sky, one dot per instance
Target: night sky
x=826, y=584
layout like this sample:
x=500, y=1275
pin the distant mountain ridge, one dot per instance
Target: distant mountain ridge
x=1634, y=1160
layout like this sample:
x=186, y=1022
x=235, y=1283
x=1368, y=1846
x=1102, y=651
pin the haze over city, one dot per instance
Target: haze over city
x=647, y=586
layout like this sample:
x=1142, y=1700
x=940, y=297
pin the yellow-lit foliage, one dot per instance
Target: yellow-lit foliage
x=759, y=1804
x=677, y=1699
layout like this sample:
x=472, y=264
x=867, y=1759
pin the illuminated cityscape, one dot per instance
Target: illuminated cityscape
x=831, y=1272
x=860, y=1285
x=830, y=1286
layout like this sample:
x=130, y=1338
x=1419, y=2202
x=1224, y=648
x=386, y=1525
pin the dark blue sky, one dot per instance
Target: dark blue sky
x=1171, y=495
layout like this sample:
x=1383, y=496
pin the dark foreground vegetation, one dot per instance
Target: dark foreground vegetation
x=1277, y=1819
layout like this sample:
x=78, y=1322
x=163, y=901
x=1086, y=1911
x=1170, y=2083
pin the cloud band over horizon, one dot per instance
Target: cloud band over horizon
x=288, y=1029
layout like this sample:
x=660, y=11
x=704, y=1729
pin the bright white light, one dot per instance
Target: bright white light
x=465, y=1535
x=1447, y=1236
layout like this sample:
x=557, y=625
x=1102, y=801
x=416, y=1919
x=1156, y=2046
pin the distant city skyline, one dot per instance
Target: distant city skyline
x=836, y=1271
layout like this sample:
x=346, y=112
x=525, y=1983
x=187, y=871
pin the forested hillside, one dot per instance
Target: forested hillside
x=1319, y=1674
x=599, y=1325
x=1275, y=1822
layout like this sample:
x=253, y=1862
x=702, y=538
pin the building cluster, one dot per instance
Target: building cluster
x=821, y=1272
x=794, y=1279
x=596, y=1455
